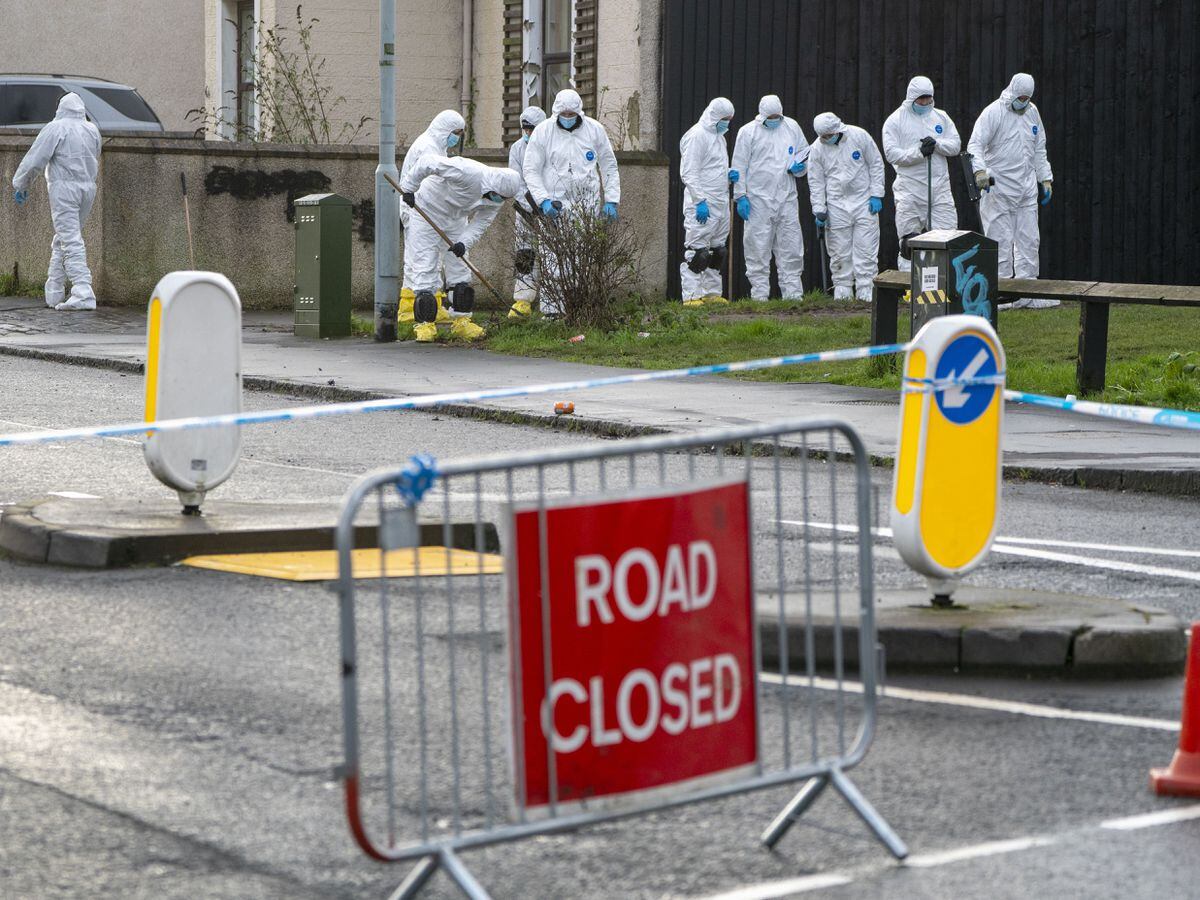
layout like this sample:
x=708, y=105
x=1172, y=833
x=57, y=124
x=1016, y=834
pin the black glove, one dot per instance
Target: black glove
x=409, y=197
x=458, y=249
x=928, y=145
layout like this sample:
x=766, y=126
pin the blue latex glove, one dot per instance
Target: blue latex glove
x=796, y=168
x=1047, y=190
x=702, y=211
x=20, y=197
x=743, y=208
x=822, y=219
x=609, y=211
x=875, y=204
x=734, y=176
x=549, y=209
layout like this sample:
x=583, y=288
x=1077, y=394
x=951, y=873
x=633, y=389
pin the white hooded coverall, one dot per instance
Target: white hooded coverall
x=762, y=157
x=842, y=178
x=68, y=149
x=450, y=191
x=569, y=166
x=525, y=285
x=704, y=170
x=902, y=135
x=1011, y=146
x=431, y=142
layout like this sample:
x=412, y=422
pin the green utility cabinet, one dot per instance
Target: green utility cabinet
x=322, y=292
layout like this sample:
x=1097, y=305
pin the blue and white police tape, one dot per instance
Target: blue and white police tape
x=401, y=403
x=1146, y=415
x=912, y=385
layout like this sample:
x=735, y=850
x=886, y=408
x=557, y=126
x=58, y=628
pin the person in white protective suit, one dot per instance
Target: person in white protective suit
x=704, y=170
x=461, y=196
x=68, y=150
x=917, y=138
x=525, y=255
x=770, y=153
x=444, y=134
x=1009, y=145
x=570, y=160
x=845, y=184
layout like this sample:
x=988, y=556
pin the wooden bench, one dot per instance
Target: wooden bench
x=1094, y=299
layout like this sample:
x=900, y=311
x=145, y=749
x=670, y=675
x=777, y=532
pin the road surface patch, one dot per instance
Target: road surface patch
x=322, y=565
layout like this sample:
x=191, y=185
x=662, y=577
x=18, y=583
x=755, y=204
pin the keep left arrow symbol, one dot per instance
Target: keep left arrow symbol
x=955, y=396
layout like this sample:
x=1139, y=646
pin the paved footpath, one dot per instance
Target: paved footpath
x=1047, y=444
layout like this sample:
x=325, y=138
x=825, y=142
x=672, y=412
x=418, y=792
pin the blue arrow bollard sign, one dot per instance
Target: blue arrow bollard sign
x=968, y=356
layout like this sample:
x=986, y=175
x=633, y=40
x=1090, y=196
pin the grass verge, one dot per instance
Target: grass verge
x=1152, y=358
x=11, y=287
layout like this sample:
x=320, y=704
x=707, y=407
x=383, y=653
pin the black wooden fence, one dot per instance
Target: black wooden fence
x=1118, y=87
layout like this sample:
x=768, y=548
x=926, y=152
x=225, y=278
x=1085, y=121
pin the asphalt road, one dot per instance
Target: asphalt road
x=174, y=732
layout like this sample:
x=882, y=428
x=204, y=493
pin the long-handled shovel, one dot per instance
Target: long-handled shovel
x=929, y=189
x=449, y=243
x=729, y=248
x=187, y=218
x=824, y=258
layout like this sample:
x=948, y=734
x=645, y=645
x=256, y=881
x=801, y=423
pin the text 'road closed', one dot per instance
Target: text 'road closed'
x=642, y=675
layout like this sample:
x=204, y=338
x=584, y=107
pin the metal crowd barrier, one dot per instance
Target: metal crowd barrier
x=436, y=738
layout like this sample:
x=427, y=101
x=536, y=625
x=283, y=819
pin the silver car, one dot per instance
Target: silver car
x=27, y=102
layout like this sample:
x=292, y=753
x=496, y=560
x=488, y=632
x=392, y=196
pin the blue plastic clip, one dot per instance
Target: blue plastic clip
x=413, y=483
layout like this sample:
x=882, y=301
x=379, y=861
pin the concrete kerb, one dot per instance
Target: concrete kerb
x=56, y=531
x=1174, y=482
x=988, y=631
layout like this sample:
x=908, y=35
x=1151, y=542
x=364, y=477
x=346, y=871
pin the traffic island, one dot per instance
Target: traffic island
x=986, y=630
x=104, y=534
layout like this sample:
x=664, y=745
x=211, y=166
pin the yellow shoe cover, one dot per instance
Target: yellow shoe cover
x=443, y=314
x=406, y=305
x=693, y=303
x=425, y=333
x=521, y=309
x=464, y=329
x=715, y=300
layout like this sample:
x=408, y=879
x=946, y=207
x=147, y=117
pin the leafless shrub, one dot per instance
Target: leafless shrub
x=295, y=103
x=590, y=265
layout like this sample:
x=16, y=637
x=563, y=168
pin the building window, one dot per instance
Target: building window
x=245, y=67
x=557, y=40
x=549, y=45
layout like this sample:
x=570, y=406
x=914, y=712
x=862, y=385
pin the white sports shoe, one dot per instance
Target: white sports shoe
x=76, y=303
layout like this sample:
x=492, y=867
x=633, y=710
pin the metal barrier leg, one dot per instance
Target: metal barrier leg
x=416, y=879
x=794, y=810
x=464, y=879
x=868, y=814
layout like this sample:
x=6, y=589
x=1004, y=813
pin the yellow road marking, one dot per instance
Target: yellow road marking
x=322, y=565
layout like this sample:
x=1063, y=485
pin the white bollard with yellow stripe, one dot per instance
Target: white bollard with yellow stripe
x=193, y=368
x=946, y=492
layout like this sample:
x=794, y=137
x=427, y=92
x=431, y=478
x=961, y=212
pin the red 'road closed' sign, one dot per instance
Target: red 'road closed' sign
x=650, y=643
